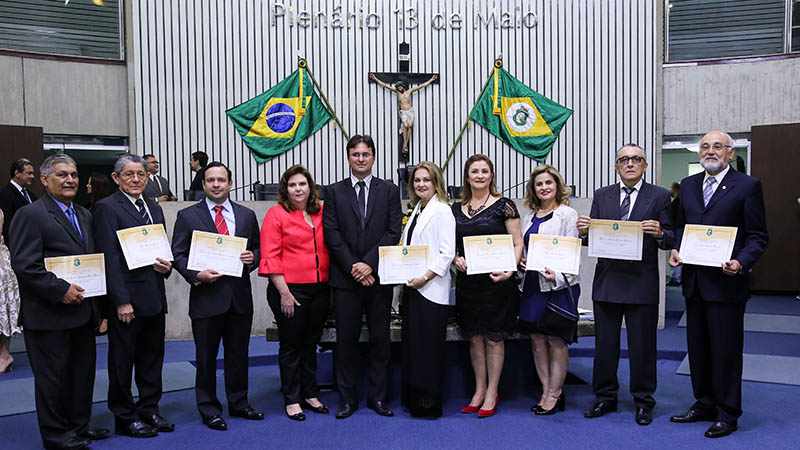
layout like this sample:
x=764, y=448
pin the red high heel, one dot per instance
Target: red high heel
x=484, y=413
x=469, y=409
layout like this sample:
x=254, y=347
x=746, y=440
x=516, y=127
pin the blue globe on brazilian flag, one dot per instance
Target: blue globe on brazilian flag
x=281, y=117
x=520, y=116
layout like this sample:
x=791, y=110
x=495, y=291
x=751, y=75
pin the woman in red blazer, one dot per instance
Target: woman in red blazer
x=294, y=257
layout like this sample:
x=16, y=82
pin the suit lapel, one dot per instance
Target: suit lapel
x=725, y=185
x=204, y=217
x=237, y=214
x=128, y=207
x=351, y=194
x=61, y=218
x=376, y=187
x=613, y=203
x=643, y=200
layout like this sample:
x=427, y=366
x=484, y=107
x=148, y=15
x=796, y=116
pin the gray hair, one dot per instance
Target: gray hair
x=49, y=164
x=124, y=160
x=632, y=144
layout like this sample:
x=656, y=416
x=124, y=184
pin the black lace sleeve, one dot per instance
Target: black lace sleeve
x=510, y=209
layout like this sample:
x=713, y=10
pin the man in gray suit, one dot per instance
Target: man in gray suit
x=157, y=186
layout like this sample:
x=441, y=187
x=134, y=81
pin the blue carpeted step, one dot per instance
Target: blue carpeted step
x=765, y=323
x=763, y=368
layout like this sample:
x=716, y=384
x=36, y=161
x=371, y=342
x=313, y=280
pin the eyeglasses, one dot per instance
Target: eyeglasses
x=357, y=155
x=626, y=159
x=130, y=175
x=717, y=146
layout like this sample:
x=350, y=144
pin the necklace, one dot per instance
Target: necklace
x=473, y=212
x=544, y=212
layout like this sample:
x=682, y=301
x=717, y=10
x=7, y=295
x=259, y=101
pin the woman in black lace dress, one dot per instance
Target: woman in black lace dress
x=486, y=304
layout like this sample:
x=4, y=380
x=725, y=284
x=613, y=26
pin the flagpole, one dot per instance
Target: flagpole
x=466, y=123
x=303, y=64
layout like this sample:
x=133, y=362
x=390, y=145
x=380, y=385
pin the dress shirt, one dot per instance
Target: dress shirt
x=65, y=208
x=227, y=214
x=133, y=202
x=718, y=177
x=289, y=246
x=634, y=194
x=367, y=180
x=154, y=179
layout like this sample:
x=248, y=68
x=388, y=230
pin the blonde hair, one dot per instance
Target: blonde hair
x=562, y=191
x=436, y=178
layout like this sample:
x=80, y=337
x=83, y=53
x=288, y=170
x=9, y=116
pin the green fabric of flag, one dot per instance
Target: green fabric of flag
x=520, y=116
x=281, y=117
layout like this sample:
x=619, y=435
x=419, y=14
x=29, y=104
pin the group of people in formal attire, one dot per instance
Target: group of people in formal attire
x=313, y=251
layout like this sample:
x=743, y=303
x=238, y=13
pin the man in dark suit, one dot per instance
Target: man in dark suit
x=58, y=321
x=362, y=212
x=16, y=194
x=197, y=163
x=157, y=187
x=221, y=307
x=628, y=289
x=137, y=304
x=716, y=296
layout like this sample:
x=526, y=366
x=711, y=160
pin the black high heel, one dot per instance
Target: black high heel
x=321, y=409
x=559, y=406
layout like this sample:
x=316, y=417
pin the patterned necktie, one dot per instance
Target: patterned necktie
x=362, y=202
x=219, y=221
x=74, y=221
x=140, y=206
x=625, y=207
x=25, y=194
x=708, y=190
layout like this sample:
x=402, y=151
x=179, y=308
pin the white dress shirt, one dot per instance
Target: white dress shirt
x=367, y=180
x=718, y=177
x=133, y=201
x=634, y=194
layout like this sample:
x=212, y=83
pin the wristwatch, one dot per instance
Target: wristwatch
x=425, y=276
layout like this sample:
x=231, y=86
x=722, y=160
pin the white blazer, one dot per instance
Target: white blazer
x=563, y=223
x=436, y=228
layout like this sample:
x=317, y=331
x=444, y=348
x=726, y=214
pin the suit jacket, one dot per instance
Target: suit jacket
x=637, y=282
x=436, y=228
x=737, y=202
x=151, y=189
x=213, y=299
x=143, y=288
x=347, y=242
x=11, y=200
x=42, y=230
x=563, y=223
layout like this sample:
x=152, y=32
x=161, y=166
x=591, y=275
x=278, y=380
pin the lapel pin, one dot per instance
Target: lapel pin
x=723, y=187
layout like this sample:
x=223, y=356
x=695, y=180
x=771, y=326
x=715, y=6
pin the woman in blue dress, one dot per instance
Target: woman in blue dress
x=547, y=196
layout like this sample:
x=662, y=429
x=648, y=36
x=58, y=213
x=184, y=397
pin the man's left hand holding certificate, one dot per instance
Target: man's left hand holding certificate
x=218, y=252
x=142, y=246
x=85, y=271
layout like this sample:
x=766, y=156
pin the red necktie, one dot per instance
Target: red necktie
x=219, y=221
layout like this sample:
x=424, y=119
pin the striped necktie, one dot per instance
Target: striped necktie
x=625, y=207
x=140, y=206
x=219, y=221
x=708, y=190
x=25, y=194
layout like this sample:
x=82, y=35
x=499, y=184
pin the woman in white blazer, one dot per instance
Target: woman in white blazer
x=426, y=298
x=547, y=197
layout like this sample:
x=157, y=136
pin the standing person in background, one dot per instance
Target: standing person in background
x=16, y=194
x=362, y=212
x=221, y=307
x=157, y=186
x=426, y=298
x=295, y=259
x=197, y=162
x=98, y=188
x=486, y=304
x=9, y=305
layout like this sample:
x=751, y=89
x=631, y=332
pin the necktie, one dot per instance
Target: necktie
x=140, y=206
x=219, y=221
x=25, y=194
x=625, y=207
x=74, y=221
x=362, y=202
x=708, y=190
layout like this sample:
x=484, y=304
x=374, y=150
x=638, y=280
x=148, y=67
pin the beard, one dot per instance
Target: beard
x=713, y=166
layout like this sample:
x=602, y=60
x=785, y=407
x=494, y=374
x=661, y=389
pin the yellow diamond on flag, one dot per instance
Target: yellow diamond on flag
x=522, y=118
x=280, y=118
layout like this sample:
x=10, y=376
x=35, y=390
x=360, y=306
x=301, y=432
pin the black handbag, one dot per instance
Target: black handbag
x=559, y=321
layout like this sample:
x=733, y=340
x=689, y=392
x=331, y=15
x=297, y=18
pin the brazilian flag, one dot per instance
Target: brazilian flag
x=281, y=117
x=520, y=116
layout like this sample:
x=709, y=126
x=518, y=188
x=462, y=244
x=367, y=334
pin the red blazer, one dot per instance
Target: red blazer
x=292, y=248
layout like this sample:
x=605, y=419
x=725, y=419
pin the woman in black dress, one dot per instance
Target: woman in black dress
x=486, y=304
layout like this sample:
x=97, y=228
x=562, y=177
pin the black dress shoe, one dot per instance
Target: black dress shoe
x=720, y=429
x=382, y=409
x=135, y=429
x=216, y=423
x=345, y=411
x=301, y=416
x=321, y=409
x=644, y=416
x=158, y=422
x=94, y=434
x=690, y=416
x=73, y=443
x=248, y=413
x=599, y=409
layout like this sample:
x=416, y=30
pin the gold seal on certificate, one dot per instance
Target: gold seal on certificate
x=400, y=263
x=557, y=253
x=615, y=239
x=216, y=252
x=142, y=245
x=87, y=271
x=707, y=245
x=489, y=253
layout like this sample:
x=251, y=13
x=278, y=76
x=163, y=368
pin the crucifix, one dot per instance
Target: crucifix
x=400, y=83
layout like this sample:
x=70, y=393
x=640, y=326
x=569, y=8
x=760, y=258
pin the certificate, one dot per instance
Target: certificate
x=557, y=253
x=706, y=245
x=87, y=271
x=216, y=252
x=615, y=239
x=142, y=245
x=490, y=253
x=400, y=263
